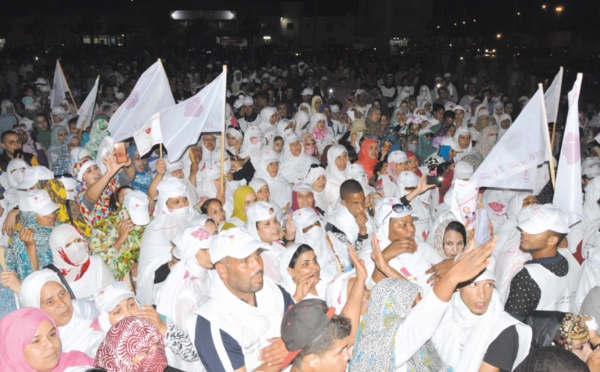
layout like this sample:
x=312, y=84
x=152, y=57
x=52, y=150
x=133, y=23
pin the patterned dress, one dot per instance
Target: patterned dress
x=105, y=234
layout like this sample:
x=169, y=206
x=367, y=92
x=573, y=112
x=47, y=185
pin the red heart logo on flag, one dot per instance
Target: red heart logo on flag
x=148, y=130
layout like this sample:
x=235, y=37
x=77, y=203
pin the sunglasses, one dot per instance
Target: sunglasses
x=398, y=208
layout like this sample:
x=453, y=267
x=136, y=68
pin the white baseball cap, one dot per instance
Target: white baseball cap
x=450, y=141
x=307, y=92
x=546, y=217
x=34, y=174
x=397, y=156
x=234, y=242
x=463, y=170
x=136, y=203
x=37, y=201
x=110, y=296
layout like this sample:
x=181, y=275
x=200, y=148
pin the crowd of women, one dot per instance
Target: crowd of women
x=105, y=260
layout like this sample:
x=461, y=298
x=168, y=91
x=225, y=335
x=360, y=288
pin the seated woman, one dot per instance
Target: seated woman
x=317, y=180
x=301, y=273
x=213, y=208
x=133, y=344
x=55, y=150
x=268, y=170
x=243, y=197
x=28, y=249
x=85, y=274
x=75, y=319
x=261, y=188
x=368, y=155
x=188, y=283
x=62, y=165
x=31, y=341
x=94, y=195
x=264, y=226
x=337, y=172
x=117, y=239
x=116, y=302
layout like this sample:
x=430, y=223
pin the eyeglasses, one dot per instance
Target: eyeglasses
x=398, y=208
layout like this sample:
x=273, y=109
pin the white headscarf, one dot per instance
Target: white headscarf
x=251, y=148
x=301, y=118
x=262, y=211
x=188, y=283
x=320, y=197
x=70, y=260
x=334, y=176
x=424, y=93
x=462, y=131
x=159, y=233
x=13, y=176
x=281, y=191
x=287, y=282
x=265, y=125
x=294, y=168
x=500, y=119
x=108, y=298
x=357, y=172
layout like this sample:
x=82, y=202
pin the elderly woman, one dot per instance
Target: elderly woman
x=31, y=342
x=75, y=319
x=28, y=249
x=85, y=274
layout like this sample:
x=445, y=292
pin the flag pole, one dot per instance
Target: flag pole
x=557, y=101
x=83, y=121
x=68, y=88
x=224, y=107
x=547, y=137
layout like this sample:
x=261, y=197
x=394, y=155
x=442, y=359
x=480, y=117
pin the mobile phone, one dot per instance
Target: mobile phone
x=434, y=180
x=120, y=152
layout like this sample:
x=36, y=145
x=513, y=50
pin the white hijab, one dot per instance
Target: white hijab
x=286, y=279
x=252, y=144
x=294, y=168
x=262, y=211
x=334, y=176
x=265, y=125
x=281, y=191
x=320, y=197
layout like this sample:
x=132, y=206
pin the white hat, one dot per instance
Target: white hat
x=34, y=174
x=136, y=203
x=120, y=95
x=70, y=186
x=234, y=243
x=523, y=98
x=110, y=296
x=463, y=170
x=238, y=103
x=447, y=75
x=37, y=201
x=450, y=141
x=303, y=186
x=546, y=217
x=408, y=179
x=458, y=107
x=190, y=240
x=260, y=211
x=40, y=81
x=359, y=92
x=397, y=156
x=248, y=101
x=590, y=167
x=334, y=108
x=307, y=92
x=58, y=111
x=173, y=166
x=28, y=122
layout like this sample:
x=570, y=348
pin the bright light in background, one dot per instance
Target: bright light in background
x=544, y=6
x=267, y=38
x=216, y=15
x=559, y=9
x=498, y=36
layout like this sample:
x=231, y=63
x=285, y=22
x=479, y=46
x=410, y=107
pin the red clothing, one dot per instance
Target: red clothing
x=363, y=157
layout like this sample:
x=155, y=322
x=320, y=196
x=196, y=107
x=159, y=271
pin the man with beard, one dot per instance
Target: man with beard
x=238, y=329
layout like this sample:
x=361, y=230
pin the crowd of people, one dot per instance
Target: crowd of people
x=327, y=241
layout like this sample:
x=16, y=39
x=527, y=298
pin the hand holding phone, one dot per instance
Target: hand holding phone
x=435, y=180
x=120, y=152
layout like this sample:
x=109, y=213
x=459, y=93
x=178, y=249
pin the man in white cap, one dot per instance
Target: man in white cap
x=238, y=329
x=246, y=115
x=361, y=102
x=550, y=279
x=476, y=334
x=306, y=95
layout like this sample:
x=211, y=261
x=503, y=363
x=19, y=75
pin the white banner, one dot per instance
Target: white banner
x=513, y=161
x=464, y=202
x=552, y=97
x=568, y=194
x=182, y=124
x=151, y=94
x=86, y=111
x=149, y=135
x=60, y=88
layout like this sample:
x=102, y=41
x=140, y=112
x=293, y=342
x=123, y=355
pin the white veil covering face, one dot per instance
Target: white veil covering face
x=156, y=242
x=81, y=333
x=188, y=283
x=281, y=191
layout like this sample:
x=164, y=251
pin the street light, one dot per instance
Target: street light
x=559, y=9
x=498, y=36
x=544, y=6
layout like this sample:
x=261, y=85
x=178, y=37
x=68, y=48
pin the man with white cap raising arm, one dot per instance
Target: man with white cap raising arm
x=549, y=281
x=238, y=328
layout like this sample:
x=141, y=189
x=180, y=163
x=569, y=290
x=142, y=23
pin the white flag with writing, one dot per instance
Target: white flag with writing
x=151, y=94
x=182, y=124
x=148, y=135
x=568, y=194
x=60, y=88
x=552, y=97
x=86, y=110
x=513, y=161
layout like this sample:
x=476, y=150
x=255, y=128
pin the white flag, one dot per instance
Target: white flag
x=552, y=97
x=182, y=124
x=513, y=161
x=86, y=110
x=59, y=86
x=568, y=194
x=149, y=135
x=150, y=95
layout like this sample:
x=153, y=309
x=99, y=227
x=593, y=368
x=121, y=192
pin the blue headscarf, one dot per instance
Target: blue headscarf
x=7, y=300
x=321, y=109
x=62, y=165
x=142, y=179
x=445, y=152
x=17, y=259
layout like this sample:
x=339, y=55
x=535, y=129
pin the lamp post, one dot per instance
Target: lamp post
x=559, y=9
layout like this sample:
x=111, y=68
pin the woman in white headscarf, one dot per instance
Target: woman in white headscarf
x=295, y=163
x=318, y=182
x=504, y=122
x=268, y=170
x=172, y=213
x=323, y=134
x=263, y=225
x=299, y=266
x=187, y=285
x=302, y=119
x=85, y=274
x=76, y=319
x=487, y=139
x=424, y=94
x=252, y=145
x=268, y=119
x=210, y=187
x=337, y=172
x=10, y=180
x=498, y=112
x=407, y=182
x=310, y=230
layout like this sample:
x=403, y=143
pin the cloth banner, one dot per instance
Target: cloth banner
x=149, y=135
x=86, y=111
x=552, y=97
x=59, y=86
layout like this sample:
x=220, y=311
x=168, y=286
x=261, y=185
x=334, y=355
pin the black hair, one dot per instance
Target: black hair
x=449, y=114
x=437, y=107
x=337, y=329
x=6, y=133
x=350, y=187
x=114, y=198
x=276, y=138
x=204, y=207
x=442, y=168
x=459, y=228
x=301, y=249
x=351, y=151
x=73, y=121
